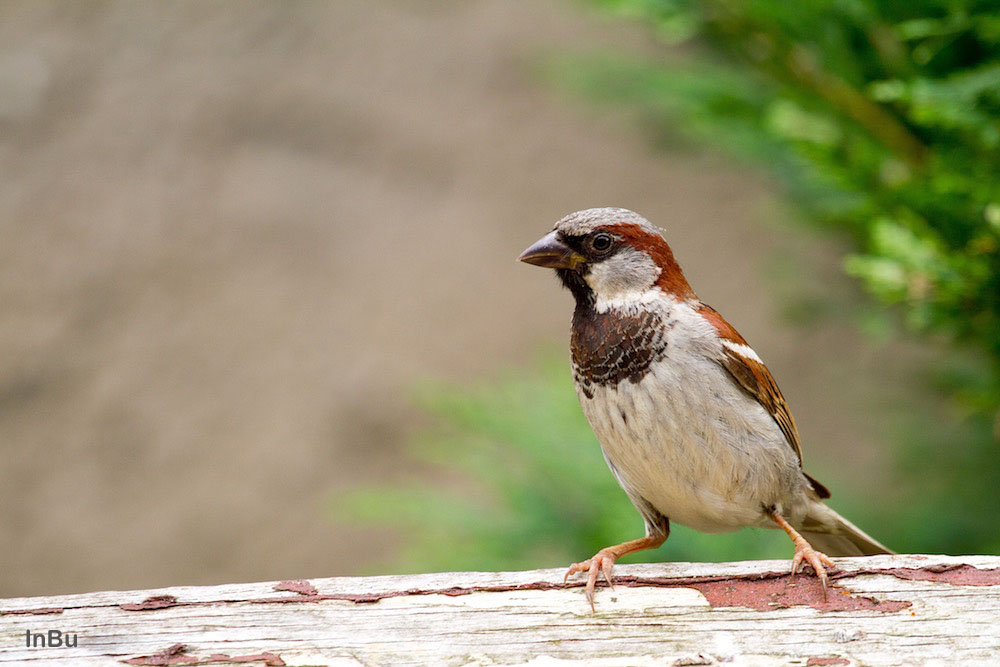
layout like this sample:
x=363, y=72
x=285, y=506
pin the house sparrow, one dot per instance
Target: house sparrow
x=691, y=423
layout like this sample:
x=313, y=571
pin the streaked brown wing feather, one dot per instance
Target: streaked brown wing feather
x=754, y=377
x=757, y=380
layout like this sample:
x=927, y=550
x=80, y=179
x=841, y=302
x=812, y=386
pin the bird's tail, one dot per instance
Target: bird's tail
x=838, y=536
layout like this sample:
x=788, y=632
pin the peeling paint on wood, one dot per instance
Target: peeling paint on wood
x=300, y=586
x=958, y=574
x=150, y=603
x=44, y=611
x=882, y=610
x=178, y=655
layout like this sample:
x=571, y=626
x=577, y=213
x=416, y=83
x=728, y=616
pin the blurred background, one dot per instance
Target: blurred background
x=260, y=316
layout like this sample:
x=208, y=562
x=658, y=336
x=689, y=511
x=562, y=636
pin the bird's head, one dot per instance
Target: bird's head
x=610, y=257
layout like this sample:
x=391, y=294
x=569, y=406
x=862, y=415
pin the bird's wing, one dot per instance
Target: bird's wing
x=750, y=373
x=753, y=376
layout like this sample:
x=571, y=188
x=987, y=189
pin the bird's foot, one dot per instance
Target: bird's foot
x=804, y=553
x=601, y=563
x=604, y=560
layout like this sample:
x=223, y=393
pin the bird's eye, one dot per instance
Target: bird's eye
x=601, y=242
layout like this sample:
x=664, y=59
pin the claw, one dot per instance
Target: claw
x=816, y=559
x=606, y=567
x=604, y=560
x=804, y=551
x=602, y=563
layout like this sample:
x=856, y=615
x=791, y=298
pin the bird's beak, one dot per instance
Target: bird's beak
x=551, y=253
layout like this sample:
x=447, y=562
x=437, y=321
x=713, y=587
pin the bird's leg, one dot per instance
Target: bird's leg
x=804, y=551
x=604, y=560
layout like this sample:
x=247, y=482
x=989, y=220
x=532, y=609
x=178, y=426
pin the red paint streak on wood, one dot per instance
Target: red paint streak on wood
x=293, y=598
x=762, y=592
x=42, y=611
x=172, y=655
x=266, y=658
x=745, y=590
x=769, y=591
x=827, y=661
x=300, y=586
x=178, y=655
x=958, y=575
x=454, y=591
x=150, y=603
x=784, y=592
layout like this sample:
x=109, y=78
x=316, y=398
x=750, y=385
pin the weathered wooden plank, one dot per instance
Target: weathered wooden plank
x=884, y=610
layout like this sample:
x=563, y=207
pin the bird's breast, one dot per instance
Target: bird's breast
x=678, y=431
x=611, y=347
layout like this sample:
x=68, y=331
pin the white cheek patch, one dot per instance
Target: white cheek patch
x=625, y=278
x=744, y=351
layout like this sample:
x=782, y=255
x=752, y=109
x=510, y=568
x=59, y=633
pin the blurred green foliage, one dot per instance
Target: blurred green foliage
x=881, y=119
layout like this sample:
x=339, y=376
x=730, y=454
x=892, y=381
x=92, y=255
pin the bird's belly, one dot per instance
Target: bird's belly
x=693, y=445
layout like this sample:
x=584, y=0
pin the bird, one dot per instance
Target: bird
x=689, y=419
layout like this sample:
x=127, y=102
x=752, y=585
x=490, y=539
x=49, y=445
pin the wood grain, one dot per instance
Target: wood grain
x=882, y=610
